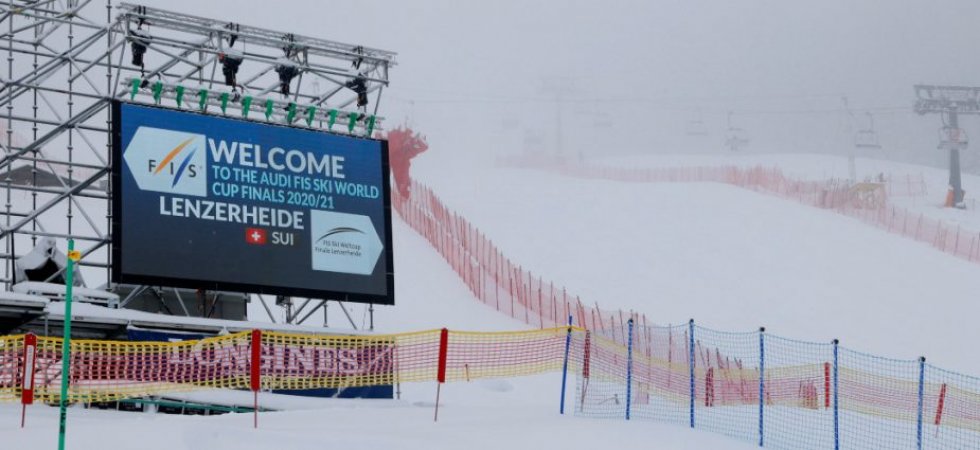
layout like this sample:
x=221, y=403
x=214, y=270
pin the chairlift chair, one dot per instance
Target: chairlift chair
x=953, y=138
x=736, y=139
x=696, y=128
x=868, y=137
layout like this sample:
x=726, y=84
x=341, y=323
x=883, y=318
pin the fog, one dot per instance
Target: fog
x=481, y=77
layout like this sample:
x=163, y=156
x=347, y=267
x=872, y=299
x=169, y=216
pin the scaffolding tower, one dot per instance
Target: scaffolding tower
x=68, y=59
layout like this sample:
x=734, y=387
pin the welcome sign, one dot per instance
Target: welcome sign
x=212, y=202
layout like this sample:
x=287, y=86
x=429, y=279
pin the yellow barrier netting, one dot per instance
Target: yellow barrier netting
x=104, y=371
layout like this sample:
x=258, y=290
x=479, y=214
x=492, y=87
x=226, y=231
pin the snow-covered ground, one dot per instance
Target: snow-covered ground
x=488, y=414
x=730, y=258
x=492, y=415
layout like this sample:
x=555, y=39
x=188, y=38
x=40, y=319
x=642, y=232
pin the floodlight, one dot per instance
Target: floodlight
x=287, y=71
x=230, y=61
x=140, y=41
x=359, y=86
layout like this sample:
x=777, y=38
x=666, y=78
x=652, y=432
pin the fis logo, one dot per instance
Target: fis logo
x=168, y=161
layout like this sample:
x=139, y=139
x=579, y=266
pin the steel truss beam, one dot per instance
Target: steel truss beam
x=942, y=99
x=255, y=35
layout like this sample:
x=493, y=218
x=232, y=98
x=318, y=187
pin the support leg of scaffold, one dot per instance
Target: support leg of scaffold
x=438, y=391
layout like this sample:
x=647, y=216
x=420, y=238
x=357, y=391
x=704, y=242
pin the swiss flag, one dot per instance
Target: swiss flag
x=255, y=236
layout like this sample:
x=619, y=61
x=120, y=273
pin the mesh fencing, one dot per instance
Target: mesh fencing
x=780, y=393
x=867, y=202
x=751, y=386
x=102, y=371
x=799, y=394
x=11, y=367
x=111, y=370
x=951, y=409
x=496, y=280
x=474, y=355
x=879, y=401
x=662, y=372
x=726, y=398
x=601, y=386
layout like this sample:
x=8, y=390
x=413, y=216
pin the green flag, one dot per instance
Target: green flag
x=370, y=125
x=135, y=89
x=351, y=121
x=246, y=106
x=310, y=114
x=268, y=109
x=157, y=91
x=180, y=95
x=202, y=103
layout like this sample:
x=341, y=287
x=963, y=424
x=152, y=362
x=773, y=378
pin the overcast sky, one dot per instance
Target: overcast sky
x=649, y=67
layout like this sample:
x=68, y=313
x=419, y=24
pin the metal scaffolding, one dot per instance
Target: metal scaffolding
x=68, y=59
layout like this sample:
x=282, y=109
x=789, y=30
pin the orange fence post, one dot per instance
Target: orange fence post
x=256, y=367
x=27, y=382
x=441, y=371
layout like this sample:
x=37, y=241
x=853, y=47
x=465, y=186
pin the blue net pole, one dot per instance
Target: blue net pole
x=690, y=334
x=564, y=366
x=836, y=400
x=629, y=368
x=922, y=379
x=762, y=383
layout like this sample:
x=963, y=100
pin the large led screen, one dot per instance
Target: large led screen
x=211, y=202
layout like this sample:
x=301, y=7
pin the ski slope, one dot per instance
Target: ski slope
x=730, y=258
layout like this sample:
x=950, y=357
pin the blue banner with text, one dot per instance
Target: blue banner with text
x=226, y=204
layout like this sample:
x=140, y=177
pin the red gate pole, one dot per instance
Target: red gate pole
x=256, y=380
x=586, y=361
x=441, y=374
x=939, y=408
x=826, y=385
x=27, y=382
